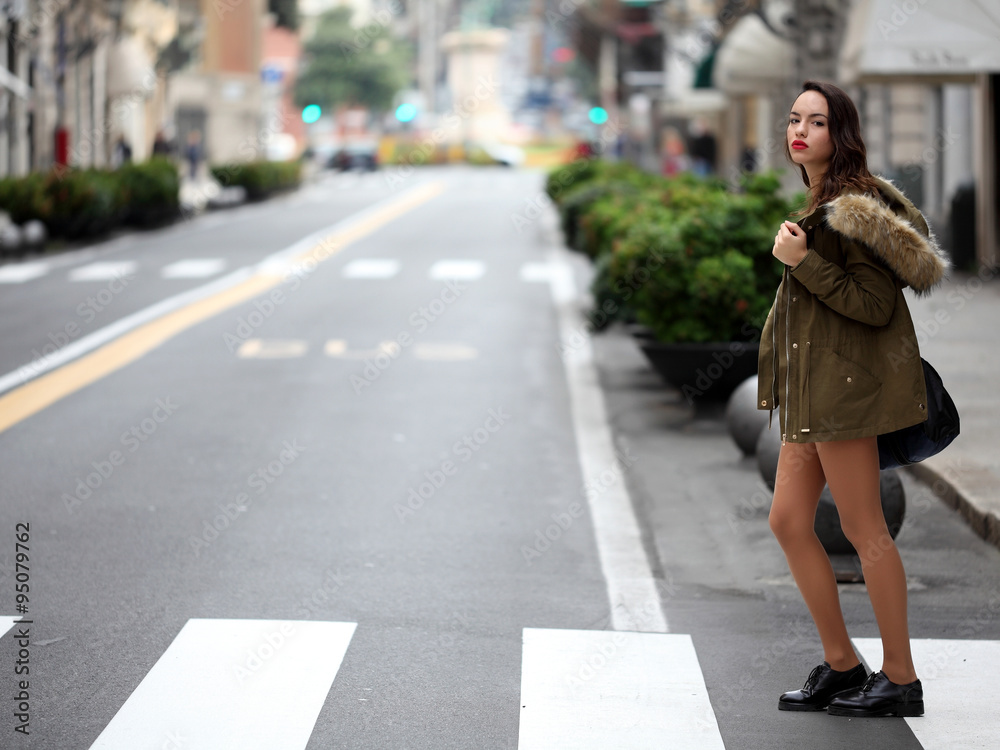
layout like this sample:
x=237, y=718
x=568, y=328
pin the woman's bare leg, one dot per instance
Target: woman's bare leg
x=797, y=489
x=851, y=469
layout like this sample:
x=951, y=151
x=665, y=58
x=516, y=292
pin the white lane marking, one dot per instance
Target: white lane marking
x=459, y=270
x=370, y=268
x=635, y=601
x=338, y=348
x=955, y=675
x=278, y=263
x=272, y=348
x=248, y=684
x=193, y=268
x=583, y=689
x=103, y=270
x=6, y=623
x=18, y=273
x=536, y=272
x=444, y=351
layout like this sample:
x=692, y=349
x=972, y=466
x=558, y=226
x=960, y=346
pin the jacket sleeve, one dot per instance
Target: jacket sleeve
x=863, y=290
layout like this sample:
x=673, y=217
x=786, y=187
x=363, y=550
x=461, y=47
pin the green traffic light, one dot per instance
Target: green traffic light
x=311, y=114
x=598, y=115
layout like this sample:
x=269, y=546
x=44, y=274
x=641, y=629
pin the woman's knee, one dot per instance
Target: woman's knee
x=789, y=522
x=867, y=535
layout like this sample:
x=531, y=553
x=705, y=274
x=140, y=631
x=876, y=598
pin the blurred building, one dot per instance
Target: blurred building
x=216, y=96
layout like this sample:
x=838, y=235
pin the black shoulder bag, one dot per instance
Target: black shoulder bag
x=912, y=444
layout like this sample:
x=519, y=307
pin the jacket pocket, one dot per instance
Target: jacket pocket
x=842, y=394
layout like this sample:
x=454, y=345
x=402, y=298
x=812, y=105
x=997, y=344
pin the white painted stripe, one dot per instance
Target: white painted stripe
x=958, y=678
x=635, y=601
x=18, y=273
x=278, y=263
x=459, y=270
x=583, y=689
x=370, y=268
x=6, y=623
x=103, y=271
x=536, y=272
x=444, y=351
x=193, y=268
x=248, y=684
x=272, y=349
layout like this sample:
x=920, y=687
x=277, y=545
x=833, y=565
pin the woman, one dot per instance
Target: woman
x=839, y=359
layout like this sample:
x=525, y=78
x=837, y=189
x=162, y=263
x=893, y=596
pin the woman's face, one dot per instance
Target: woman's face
x=808, y=132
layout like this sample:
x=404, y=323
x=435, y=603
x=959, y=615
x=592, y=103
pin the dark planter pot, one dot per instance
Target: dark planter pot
x=702, y=372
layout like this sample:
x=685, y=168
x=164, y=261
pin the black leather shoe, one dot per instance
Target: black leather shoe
x=822, y=684
x=880, y=697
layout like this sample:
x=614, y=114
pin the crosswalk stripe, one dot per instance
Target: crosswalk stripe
x=459, y=270
x=371, y=268
x=193, y=268
x=103, y=271
x=600, y=689
x=18, y=273
x=6, y=623
x=536, y=272
x=247, y=684
x=960, y=708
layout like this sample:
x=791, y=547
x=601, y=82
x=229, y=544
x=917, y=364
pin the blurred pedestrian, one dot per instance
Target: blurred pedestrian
x=674, y=153
x=123, y=152
x=193, y=153
x=703, y=149
x=161, y=145
x=839, y=358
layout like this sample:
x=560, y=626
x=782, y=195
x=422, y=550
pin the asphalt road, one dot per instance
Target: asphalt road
x=383, y=445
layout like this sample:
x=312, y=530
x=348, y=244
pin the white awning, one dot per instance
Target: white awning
x=932, y=41
x=752, y=59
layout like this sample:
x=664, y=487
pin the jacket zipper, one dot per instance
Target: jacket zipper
x=788, y=357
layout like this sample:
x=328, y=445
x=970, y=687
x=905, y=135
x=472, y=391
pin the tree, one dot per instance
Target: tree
x=344, y=65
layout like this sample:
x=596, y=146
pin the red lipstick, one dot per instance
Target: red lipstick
x=799, y=145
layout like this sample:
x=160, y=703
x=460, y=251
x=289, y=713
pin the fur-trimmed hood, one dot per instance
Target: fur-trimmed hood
x=895, y=231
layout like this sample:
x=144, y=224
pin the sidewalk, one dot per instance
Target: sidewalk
x=958, y=327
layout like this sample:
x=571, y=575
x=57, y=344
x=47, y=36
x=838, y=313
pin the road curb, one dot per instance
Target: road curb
x=982, y=520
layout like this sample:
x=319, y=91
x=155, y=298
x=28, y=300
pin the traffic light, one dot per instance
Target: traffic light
x=598, y=115
x=311, y=114
x=406, y=112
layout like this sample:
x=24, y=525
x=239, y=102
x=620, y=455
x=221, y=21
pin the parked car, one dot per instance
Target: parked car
x=360, y=156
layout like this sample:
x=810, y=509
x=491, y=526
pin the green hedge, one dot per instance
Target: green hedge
x=260, y=179
x=684, y=256
x=81, y=203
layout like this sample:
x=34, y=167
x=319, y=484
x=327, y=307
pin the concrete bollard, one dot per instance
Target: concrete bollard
x=743, y=420
x=767, y=449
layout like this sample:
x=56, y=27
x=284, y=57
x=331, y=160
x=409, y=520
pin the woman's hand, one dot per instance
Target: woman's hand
x=790, y=244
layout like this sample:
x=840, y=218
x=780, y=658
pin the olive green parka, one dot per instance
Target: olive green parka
x=838, y=351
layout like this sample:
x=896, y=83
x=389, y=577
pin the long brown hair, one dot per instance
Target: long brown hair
x=849, y=162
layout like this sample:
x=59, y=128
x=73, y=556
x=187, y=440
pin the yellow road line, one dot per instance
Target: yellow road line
x=36, y=395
